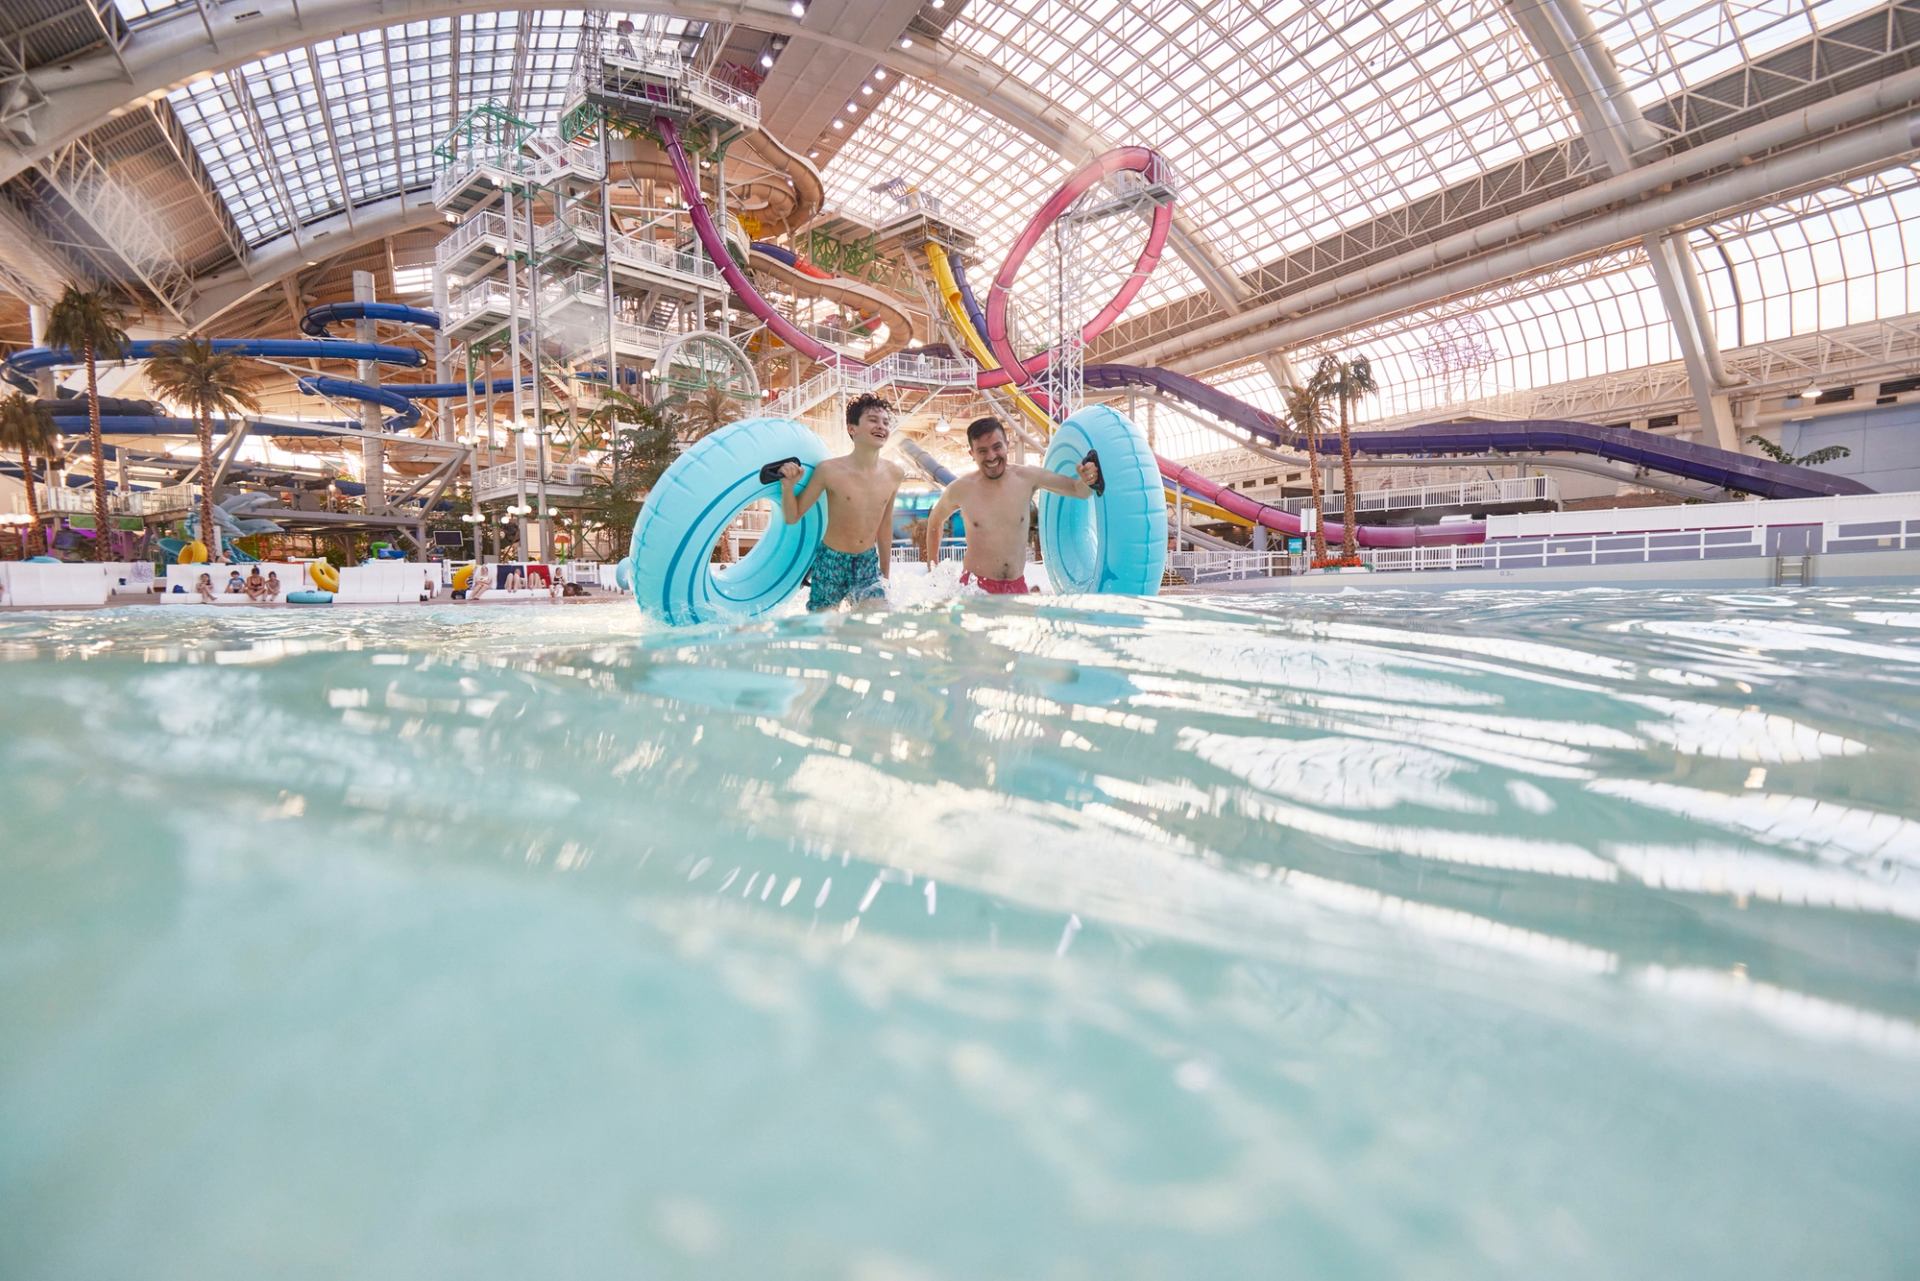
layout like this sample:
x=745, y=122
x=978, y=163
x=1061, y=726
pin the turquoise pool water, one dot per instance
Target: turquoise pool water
x=1460, y=936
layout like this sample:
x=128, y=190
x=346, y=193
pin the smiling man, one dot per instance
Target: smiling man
x=996, y=501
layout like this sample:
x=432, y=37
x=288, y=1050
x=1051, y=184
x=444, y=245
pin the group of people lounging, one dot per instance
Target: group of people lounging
x=996, y=500
x=255, y=587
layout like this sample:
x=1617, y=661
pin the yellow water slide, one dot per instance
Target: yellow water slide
x=949, y=288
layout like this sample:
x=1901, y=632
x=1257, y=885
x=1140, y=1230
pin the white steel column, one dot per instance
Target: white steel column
x=373, y=450
x=1579, y=62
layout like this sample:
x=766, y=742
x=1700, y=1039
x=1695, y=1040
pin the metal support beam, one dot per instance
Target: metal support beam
x=1614, y=127
x=124, y=223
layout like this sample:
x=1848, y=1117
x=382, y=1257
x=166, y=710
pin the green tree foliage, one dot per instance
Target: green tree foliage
x=90, y=324
x=27, y=426
x=1831, y=453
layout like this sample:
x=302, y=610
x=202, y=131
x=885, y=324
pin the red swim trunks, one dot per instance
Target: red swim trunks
x=996, y=586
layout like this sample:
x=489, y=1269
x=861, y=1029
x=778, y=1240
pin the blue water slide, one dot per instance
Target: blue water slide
x=967, y=300
x=319, y=319
x=927, y=463
x=34, y=359
x=786, y=256
x=452, y=391
x=158, y=426
x=406, y=413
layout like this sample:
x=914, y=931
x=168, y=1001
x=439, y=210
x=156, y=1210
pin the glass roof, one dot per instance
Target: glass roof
x=1285, y=123
x=387, y=96
x=1288, y=122
x=997, y=178
x=1842, y=256
x=1665, y=46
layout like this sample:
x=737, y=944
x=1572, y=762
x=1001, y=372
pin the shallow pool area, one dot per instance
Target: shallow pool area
x=1393, y=934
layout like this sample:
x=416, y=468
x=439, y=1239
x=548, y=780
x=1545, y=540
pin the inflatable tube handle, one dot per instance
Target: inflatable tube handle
x=1093, y=456
x=770, y=474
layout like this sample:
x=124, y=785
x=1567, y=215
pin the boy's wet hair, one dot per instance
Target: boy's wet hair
x=981, y=428
x=861, y=404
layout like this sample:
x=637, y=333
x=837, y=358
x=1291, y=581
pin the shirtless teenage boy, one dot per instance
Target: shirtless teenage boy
x=996, y=501
x=857, y=552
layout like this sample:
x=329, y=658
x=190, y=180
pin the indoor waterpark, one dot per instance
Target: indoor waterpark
x=926, y=640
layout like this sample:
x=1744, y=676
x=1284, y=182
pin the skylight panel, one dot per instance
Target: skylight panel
x=1666, y=47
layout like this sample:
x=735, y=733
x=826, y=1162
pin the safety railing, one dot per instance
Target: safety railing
x=490, y=295
x=1198, y=568
x=79, y=502
x=1472, y=493
x=173, y=500
x=716, y=95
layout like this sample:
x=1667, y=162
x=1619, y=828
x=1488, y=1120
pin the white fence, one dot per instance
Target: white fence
x=920, y=371
x=1472, y=493
x=1219, y=566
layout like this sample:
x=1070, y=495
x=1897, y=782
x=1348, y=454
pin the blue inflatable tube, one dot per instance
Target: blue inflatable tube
x=309, y=598
x=669, y=563
x=1116, y=541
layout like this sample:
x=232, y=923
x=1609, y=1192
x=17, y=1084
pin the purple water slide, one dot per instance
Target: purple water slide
x=716, y=246
x=1721, y=467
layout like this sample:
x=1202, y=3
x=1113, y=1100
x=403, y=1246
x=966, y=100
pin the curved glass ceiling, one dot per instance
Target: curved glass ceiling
x=1287, y=123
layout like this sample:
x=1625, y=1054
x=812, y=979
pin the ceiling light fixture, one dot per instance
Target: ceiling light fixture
x=866, y=89
x=798, y=9
x=766, y=59
x=879, y=73
x=906, y=42
x=1813, y=389
x=838, y=125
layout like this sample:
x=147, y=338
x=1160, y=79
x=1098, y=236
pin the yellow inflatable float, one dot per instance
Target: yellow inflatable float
x=193, y=553
x=461, y=577
x=324, y=576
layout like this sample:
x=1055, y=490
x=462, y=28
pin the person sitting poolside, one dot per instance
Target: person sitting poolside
x=553, y=586
x=477, y=582
x=256, y=585
x=236, y=585
x=273, y=585
x=205, y=588
x=428, y=588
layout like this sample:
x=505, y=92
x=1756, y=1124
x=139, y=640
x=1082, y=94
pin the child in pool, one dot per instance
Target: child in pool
x=855, y=556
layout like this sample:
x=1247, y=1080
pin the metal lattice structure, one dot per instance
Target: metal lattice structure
x=126, y=223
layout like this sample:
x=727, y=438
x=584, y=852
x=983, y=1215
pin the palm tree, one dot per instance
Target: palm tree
x=1830, y=454
x=26, y=425
x=88, y=322
x=190, y=372
x=703, y=414
x=1307, y=407
x=1352, y=380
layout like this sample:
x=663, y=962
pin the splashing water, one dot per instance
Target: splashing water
x=1472, y=935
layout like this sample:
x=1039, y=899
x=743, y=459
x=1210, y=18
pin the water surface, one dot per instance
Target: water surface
x=1411, y=935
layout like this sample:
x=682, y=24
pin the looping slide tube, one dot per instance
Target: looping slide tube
x=670, y=565
x=1116, y=541
x=1140, y=160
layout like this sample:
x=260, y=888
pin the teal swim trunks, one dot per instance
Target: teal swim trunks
x=839, y=576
